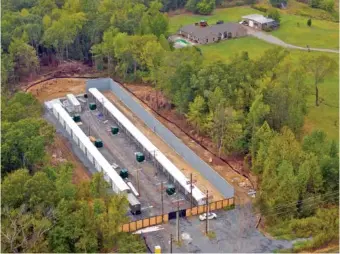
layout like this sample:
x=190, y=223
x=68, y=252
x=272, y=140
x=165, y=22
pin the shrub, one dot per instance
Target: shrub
x=239, y=3
x=259, y=8
x=327, y=5
x=267, y=29
x=274, y=14
x=309, y=22
x=205, y=7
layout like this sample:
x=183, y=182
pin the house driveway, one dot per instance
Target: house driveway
x=274, y=40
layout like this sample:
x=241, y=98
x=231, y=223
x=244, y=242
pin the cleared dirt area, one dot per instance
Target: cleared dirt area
x=61, y=152
x=57, y=88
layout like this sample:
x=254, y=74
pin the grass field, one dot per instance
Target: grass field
x=323, y=34
x=324, y=117
x=294, y=30
x=227, y=15
x=225, y=49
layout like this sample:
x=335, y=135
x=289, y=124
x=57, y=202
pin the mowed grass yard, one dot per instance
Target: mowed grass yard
x=294, y=30
x=324, y=117
x=322, y=34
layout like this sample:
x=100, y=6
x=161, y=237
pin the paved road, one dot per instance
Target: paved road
x=235, y=233
x=189, y=156
x=274, y=40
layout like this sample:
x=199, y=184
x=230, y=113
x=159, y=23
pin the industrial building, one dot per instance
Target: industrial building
x=95, y=157
x=163, y=163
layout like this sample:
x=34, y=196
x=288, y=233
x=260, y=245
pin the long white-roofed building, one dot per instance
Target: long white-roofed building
x=163, y=163
x=92, y=153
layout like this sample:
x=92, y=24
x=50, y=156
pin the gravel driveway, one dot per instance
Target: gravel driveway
x=274, y=40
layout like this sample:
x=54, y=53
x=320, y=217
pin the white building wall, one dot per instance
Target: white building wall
x=92, y=153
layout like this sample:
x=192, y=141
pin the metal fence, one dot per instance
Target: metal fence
x=157, y=220
x=193, y=160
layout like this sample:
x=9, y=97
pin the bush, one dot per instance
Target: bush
x=267, y=29
x=239, y=3
x=205, y=7
x=274, y=14
x=327, y=5
x=309, y=22
x=259, y=8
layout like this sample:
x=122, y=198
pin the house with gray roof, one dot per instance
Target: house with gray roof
x=203, y=33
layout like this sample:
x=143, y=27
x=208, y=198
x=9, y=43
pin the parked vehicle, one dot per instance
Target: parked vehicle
x=210, y=216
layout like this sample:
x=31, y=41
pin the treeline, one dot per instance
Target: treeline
x=42, y=210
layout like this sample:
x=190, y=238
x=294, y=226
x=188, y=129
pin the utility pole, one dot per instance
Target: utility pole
x=191, y=192
x=162, y=200
x=138, y=181
x=170, y=243
x=177, y=216
x=177, y=221
x=207, y=210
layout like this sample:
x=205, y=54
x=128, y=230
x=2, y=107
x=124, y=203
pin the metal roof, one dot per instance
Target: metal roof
x=204, y=32
x=258, y=18
x=102, y=162
x=146, y=143
x=73, y=100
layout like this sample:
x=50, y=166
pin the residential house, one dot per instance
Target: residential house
x=203, y=33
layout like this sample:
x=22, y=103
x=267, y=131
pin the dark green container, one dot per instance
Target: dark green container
x=98, y=143
x=92, y=106
x=170, y=189
x=76, y=118
x=140, y=157
x=114, y=130
x=124, y=173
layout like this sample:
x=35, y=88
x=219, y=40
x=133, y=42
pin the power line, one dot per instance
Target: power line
x=306, y=204
x=312, y=198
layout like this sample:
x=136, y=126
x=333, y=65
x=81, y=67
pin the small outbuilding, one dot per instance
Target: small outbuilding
x=259, y=22
x=73, y=103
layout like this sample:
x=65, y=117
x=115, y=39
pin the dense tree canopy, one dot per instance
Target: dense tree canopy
x=42, y=210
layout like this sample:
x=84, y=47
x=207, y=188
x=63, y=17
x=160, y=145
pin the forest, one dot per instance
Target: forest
x=250, y=107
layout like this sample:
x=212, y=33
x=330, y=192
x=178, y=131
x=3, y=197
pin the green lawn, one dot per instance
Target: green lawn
x=323, y=34
x=227, y=15
x=294, y=30
x=223, y=50
x=324, y=117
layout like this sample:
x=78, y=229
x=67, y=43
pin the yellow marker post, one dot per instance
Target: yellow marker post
x=158, y=249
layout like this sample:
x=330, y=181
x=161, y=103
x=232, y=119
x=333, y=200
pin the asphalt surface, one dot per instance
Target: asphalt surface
x=189, y=156
x=235, y=233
